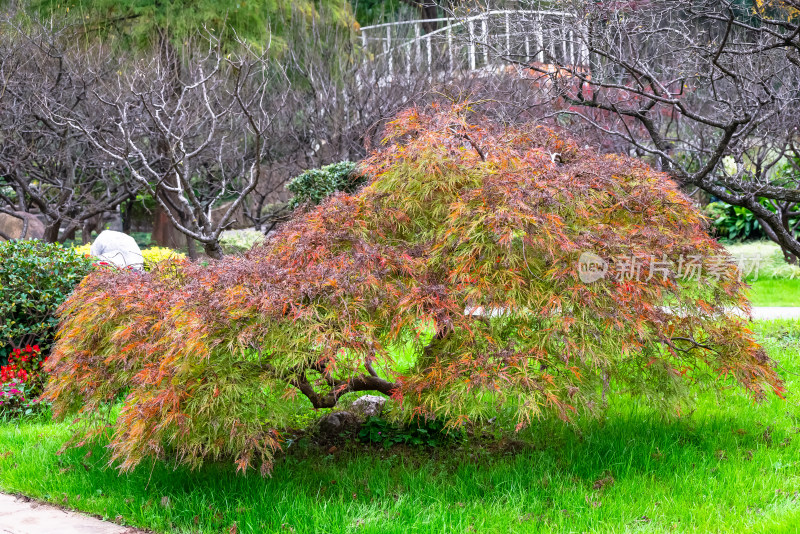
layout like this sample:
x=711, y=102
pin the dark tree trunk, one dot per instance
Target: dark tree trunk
x=191, y=249
x=213, y=250
x=51, y=232
x=127, y=217
x=428, y=9
x=86, y=233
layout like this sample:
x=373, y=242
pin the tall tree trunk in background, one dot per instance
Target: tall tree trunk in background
x=428, y=10
x=51, y=232
x=165, y=234
x=126, y=216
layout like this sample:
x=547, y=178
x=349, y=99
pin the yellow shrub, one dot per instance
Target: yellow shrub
x=156, y=255
x=152, y=255
x=84, y=249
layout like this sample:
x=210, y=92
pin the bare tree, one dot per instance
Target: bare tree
x=213, y=130
x=51, y=168
x=348, y=94
x=194, y=136
x=708, y=90
x=343, y=95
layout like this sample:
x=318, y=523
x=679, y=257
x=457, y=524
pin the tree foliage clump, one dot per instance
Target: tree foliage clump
x=139, y=22
x=315, y=185
x=449, y=283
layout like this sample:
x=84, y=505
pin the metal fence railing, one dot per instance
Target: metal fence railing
x=478, y=41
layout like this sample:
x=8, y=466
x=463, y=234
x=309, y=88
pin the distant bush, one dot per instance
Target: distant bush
x=733, y=222
x=315, y=185
x=35, y=278
x=83, y=250
x=155, y=255
x=236, y=241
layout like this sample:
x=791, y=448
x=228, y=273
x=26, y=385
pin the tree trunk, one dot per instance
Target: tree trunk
x=51, y=232
x=788, y=255
x=213, y=250
x=191, y=248
x=164, y=232
x=86, y=231
x=126, y=216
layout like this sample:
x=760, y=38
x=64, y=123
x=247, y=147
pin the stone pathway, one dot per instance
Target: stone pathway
x=19, y=515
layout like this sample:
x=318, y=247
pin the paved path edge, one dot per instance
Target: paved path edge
x=20, y=514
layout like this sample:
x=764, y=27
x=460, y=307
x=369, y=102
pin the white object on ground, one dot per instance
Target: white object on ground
x=119, y=249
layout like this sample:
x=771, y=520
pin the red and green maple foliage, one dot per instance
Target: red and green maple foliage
x=459, y=213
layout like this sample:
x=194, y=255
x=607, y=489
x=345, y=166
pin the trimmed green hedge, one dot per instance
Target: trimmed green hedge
x=35, y=278
x=315, y=185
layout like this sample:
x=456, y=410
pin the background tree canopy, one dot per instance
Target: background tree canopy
x=140, y=21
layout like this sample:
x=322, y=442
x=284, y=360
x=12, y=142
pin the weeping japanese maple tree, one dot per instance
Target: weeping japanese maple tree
x=452, y=282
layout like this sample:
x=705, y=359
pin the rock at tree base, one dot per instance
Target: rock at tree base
x=368, y=406
x=21, y=225
x=338, y=422
x=119, y=249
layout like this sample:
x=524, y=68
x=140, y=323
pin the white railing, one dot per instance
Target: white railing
x=479, y=41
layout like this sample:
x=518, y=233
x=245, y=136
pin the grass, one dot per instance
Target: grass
x=774, y=282
x=730, y=466
x=775, y=292
x=763, y=260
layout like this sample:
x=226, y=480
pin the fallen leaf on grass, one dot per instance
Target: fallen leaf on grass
x=603, y=482
x=593, y=504
x=767, y=435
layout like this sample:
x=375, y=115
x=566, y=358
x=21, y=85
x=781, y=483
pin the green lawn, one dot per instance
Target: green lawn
x=731, y=466
x=777, y=292
x=774, y=282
